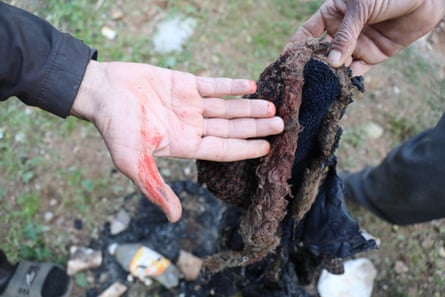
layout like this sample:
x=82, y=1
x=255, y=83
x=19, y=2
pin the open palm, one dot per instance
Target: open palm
x=147, y=111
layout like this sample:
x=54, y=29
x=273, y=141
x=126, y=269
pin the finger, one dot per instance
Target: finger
x=238, y=108
x=359, y=67
x=227, y=150
x=345, y=39
x=243, y=128
x=217, y=87
x=156, y=190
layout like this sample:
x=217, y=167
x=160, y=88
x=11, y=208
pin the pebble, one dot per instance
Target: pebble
x=189, y=264
x=357, y=281
x=373, y=131
x=442, y=252
x=115, y=290
x=119, y=222
x=48, y=216
x=400, y=267
x=172, y=33
x=117, y=13
x=82, y=258
x=108, y=33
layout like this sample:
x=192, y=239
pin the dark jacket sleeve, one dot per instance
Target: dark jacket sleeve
x=40, y=65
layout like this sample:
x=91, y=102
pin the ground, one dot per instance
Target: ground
x=57, y=182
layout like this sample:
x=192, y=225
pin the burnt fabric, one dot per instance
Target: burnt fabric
x=328, y=228
x=313, y=216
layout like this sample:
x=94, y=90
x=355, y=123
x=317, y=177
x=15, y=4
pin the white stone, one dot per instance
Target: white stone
x=115, y=290
x=373, y=131
x=189, y=264
x=357, y=281
x=82, y=258
x=172, y=33
x=120, y=222
x=108, y=33
x=48, y=216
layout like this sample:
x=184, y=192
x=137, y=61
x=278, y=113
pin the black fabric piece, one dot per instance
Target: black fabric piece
x=321, y=88
x=328, y=228
x=40, y=65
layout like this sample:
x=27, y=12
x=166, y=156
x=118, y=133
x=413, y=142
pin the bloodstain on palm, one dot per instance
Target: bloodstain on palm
x=148, y=173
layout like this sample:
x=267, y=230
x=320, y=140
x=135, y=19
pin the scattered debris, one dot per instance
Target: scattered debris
x=189, y=264
x=172, y=33
x=108, y=33
x=357, y=281
x=120, y=222
x=82, y=258
x=115, y=290
x=145, y=263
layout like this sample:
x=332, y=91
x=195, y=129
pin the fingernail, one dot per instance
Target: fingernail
x=334, y=58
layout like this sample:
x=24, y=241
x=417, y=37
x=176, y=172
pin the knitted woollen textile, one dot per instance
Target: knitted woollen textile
x=311, y=97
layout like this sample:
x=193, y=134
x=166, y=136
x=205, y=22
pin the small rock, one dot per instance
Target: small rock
x=373, y=131
x=357, y=281
x=82, y=258
x=120, y=222
x=172, y=33
x=48, y=216
x=78, y=224
x=112, y=248
x=130, y=278
x=115, y=290
x=53, y=202
x=108, y=33
x=400, y=267
x=442, y=252
x=117, y=13
x=187, y=171
x=189, y=264
x=19, y=137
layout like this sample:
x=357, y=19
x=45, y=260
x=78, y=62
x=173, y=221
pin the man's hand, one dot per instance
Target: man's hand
x=367, y=32
x=144, y=111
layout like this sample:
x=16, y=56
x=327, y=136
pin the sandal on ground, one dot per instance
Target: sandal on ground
x=33, y=279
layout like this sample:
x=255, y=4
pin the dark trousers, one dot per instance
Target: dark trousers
x=409, y=185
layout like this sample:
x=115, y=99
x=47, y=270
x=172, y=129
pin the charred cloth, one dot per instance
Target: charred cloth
x=291, y=201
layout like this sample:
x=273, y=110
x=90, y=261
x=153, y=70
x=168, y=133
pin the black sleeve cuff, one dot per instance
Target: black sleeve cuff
x=40, y=65
x=64, y=75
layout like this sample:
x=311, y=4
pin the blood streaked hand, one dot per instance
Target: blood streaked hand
x=144, y=111
x=367, y=32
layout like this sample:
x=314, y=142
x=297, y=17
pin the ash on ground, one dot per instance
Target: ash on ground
x=206, y=227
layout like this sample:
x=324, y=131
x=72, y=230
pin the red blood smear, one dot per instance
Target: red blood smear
x=147, y=169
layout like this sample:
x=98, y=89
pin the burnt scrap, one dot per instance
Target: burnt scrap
x=290, y=201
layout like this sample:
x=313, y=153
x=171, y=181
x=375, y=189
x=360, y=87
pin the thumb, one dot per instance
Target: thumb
x=156, y=190
x=345, y=39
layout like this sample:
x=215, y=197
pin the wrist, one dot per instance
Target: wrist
x=87, y=99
